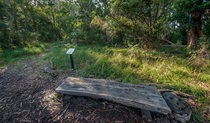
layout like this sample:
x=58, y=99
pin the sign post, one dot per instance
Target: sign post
x=70, y=52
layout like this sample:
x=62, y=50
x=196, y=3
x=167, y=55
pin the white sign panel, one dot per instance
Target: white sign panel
x=70, y=51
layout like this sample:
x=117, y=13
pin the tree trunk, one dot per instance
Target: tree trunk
x=195, y=32
x=192, y=38
x=57, y=2
x=107, y=39
x=7, y=2
x=136, y=39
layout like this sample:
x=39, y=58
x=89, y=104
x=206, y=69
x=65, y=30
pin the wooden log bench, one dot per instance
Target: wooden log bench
x=144, y=97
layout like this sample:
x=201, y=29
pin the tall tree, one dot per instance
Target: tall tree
x=190, y=15
x=146, y=20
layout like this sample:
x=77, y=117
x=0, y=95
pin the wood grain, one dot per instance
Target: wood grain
x=133, y=95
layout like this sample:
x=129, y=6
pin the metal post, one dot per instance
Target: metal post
x=70, y=52
x=72, y=62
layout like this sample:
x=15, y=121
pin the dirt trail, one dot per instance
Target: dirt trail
x=23, y=88
x=27, y=95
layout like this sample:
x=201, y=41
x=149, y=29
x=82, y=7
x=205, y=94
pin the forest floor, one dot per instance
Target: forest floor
x=27, y=87
x=28, y=95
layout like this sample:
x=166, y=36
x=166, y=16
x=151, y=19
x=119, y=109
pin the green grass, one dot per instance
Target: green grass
x=10, y=56
x=169, y=69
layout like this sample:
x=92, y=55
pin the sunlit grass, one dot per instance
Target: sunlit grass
x=135, y=65
x=10, y=56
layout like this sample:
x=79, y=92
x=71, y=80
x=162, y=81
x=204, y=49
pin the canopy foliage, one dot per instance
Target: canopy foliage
x=122, y=22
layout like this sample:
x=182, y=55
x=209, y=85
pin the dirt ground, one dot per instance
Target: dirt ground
x=27, y=96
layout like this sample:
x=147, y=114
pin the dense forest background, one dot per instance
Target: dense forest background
x=148, y=23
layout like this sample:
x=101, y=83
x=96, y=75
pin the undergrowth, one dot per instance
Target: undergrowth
x=166, y=68
x=175, y=70
x=10, y=56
